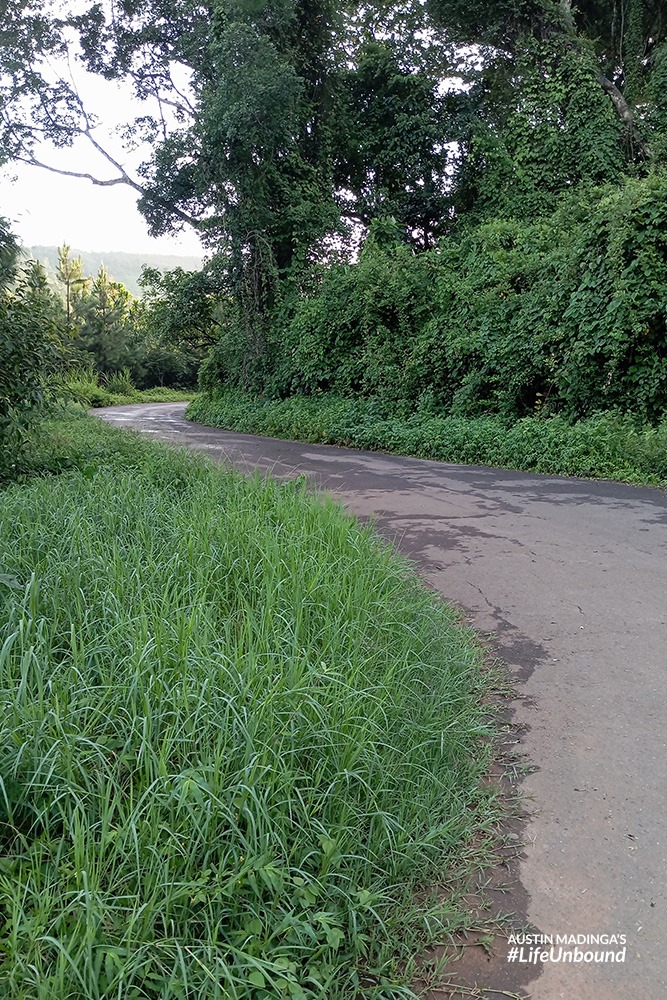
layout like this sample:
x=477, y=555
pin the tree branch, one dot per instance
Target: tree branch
x=182, y=96
x=626, y=115
x=622, y=107
x=34, y=162
x=124, y=178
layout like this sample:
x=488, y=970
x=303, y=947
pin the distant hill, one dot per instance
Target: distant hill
x=123, y=267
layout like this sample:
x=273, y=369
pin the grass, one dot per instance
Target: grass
x=607, y=446
x=238, y=740
x=87, y=387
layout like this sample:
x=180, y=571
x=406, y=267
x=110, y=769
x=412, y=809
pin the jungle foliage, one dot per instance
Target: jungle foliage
x=86, y=338
x=564, y=314
x=445, y=201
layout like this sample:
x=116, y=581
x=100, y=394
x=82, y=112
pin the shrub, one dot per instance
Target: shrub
x=120, y=383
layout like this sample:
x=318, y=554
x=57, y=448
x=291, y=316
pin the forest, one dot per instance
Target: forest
x=444, y=208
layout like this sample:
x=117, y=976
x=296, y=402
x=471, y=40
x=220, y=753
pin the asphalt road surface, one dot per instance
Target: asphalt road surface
x=569, y=577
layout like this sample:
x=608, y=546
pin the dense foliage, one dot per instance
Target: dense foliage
x=499, y=165
x=437, y=228
x=175, y=324
x=158, y=340
x=562, y=314
x=86, y=338
x=30, y=350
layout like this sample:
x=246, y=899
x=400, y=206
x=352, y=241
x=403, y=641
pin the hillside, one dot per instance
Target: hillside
x=123, y=267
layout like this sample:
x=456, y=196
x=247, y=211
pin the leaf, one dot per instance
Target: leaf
x=335, y=937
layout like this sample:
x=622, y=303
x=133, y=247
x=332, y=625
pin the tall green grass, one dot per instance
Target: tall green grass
x=83, y=384
x=237, y=737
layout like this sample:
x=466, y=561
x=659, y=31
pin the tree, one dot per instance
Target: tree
x=103, y=323
x=175, y=324
x=9, y=251
x=32, y=106
x=278, y=127
x=391, y=157
x=621, y=36
x=30, y=350
x=70, y=274
x=533, y=126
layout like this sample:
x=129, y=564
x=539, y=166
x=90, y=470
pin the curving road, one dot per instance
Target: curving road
x=569, y=578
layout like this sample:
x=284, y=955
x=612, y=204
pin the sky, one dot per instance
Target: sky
x=48, y=210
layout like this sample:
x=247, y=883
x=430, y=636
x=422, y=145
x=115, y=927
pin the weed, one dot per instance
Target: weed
x=236, y=737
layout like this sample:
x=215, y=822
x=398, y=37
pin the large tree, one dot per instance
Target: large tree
x=622, y=36
x=259, y=111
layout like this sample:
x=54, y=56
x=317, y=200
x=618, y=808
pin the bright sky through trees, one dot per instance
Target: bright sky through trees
x=48, y=209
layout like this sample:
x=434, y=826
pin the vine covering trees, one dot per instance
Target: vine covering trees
x=285, y=131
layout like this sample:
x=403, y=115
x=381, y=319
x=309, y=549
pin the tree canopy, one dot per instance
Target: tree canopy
x=287, y=131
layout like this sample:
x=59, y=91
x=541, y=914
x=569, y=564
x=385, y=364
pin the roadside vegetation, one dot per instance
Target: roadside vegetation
x=42, y=363
x=85, y=385
x=240, y=743
x=453, y=216
x=515, y=344
x=605, y=446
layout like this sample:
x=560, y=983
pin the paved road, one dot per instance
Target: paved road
x=571, y=579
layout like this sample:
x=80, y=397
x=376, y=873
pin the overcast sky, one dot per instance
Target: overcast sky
x=47, y=209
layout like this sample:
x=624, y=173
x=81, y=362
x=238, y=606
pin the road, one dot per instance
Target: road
x=568, y=578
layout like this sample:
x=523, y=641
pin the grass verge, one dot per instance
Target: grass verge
x=607, y=446
x=238, y=738
x=158, y=394
x=90, y=389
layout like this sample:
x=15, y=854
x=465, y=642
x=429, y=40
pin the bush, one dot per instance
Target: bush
x=82, y=385
x=120, y=383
